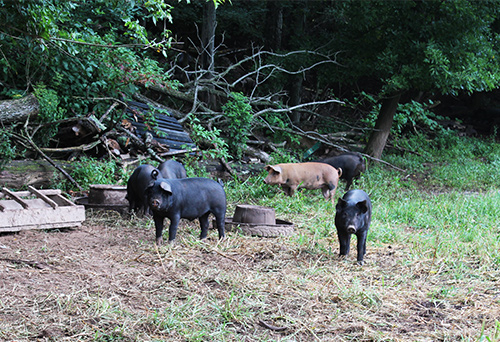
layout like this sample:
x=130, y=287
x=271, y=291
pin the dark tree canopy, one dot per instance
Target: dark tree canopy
x=393, y=51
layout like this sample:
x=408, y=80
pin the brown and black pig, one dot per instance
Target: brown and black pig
x=304, y=175
x=353, y=216
x=188, y=198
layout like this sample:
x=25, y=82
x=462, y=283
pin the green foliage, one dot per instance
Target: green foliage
x=459, y=163
x=7, y=148
x=409, y=117
x=90, y=171
x=427, y=45
x=201, y=136
x=49, y=113
x=282, y=156
x=238, y=113
x=81, y=49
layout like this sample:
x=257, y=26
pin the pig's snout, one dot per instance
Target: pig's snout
x=351, y=229
x=155, y=203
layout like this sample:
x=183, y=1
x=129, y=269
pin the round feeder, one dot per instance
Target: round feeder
x=259, y=221
x=105, y=197
x=108, y=194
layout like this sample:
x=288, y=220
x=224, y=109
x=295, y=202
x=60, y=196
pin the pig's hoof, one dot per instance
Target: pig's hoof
x=360, y=262
x=159, y=241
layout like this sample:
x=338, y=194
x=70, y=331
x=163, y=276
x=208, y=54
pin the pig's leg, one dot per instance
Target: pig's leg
x=348, y=185
x=286, y=189
x=219, y=219
x=172, y=229
x=345, y=243
x=204, y=225
x=328, y=192
x=131, y=206
x=159, y=228
x=361, y=245
x=144, y=204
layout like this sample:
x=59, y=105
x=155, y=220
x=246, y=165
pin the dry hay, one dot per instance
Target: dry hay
x=107, y=281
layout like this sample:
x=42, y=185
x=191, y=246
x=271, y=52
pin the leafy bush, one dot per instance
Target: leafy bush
x=238, y=113
x=7, y=148
x=202, y=136
x=49, y=112
x=90, y=171
x=74, y=49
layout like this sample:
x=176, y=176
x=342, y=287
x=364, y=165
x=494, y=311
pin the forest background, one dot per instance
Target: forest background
x=260, y=72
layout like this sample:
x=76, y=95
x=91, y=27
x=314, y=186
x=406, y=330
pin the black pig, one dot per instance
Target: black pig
x=353, y=216
x=142, y=177
x=171, y=169
x=352, y=164
x=188, y=198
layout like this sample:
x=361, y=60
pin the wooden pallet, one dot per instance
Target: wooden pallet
x=38, y=209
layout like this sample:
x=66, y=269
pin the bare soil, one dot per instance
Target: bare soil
x=106, y=281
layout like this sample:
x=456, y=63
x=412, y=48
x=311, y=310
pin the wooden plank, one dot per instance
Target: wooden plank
x=43, y=197
x=41, y=218
x=64, y=200
x=47, y=192
x=15, y=197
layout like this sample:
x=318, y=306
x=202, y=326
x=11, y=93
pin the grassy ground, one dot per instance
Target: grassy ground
x=431, y=274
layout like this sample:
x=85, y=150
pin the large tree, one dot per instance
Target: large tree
x=442, y=46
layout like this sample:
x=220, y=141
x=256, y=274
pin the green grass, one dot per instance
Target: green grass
x=431, y=272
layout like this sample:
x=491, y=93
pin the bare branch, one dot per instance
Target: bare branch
x=288, y=109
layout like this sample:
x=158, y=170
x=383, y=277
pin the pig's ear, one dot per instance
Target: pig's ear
x=166, y=187
x=154, y=174
x=341, y=204
x=362, y=206
x=275, y=168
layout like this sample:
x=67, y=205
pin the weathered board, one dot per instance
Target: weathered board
x=38, y=209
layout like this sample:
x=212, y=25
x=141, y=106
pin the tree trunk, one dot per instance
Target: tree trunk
x=295, y=93
x=207, y=55
x=18, y=174
x=379, y=136
x=275, y=24
x=18, y=109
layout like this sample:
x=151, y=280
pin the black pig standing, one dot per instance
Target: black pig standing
x=353, y=216
x=142, y=177
x=352, y=164
x=171, y=169
x=188, y=198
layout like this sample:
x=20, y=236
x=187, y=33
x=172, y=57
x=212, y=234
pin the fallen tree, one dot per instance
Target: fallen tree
x=18, y=109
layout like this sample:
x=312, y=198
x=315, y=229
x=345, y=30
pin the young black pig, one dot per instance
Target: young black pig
x=188, y=198
x=352, y=164
x=172, y=169
x=142, y=177
x=353, y=216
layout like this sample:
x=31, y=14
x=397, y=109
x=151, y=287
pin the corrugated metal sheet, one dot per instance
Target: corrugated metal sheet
x=174, y=135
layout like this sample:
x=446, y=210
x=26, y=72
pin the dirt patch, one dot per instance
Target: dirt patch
x=106, y=281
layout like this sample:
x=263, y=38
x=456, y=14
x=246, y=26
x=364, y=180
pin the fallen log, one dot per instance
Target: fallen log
x=39, y=173
x=18, y=110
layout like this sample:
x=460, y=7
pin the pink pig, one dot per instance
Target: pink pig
x=304, y=175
